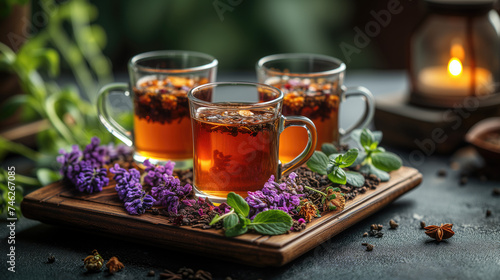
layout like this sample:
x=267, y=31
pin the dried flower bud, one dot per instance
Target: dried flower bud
x=114, y=265
x=93, y=262
x=307, y=210
x=422, y=224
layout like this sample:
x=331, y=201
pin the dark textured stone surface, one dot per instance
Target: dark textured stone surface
x=473, y=253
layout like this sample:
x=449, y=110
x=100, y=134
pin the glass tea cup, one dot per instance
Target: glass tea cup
x=159, y=84
x=313, y=87
x=236, y=137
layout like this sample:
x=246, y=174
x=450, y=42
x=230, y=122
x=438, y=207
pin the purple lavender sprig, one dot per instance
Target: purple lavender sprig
x=68, y=161
x=138, y=201
x=168, y=192
x=91, y=179
x=85, y=170
x=125, y=180
x=129, y=190
x=95, y=154
x=155, y=173
x=285, y=196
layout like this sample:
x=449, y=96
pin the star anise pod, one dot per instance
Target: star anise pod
x=440, y=232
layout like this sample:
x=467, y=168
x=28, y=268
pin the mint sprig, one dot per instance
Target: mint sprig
x=236, y=222
x=374, y=159
x=333, y=165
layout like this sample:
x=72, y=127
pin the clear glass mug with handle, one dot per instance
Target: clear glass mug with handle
x=236, y=137
x=313, y=87
x=159, y=84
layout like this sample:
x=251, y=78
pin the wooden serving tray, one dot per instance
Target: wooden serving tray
x=104, y=212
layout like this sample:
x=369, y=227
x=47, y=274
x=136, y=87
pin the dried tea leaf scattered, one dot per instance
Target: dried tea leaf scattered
x=422, y=224
x=375, y=231
x=51, y=259
x=393, y=224
x=488, y=213
x=441, y=232
x=463, y=181
x=169, y=275
x=114, y=265
x=442, y=173
x=369, y=247
x=93, y=262
x=496, y=191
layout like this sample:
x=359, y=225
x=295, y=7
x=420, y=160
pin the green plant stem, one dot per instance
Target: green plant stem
x=90, y=50
x=309, y=188
x=25, y=180
x=55, y=121
x=71, y=54
x=20, y=149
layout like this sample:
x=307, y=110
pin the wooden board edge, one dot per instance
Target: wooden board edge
x=195, y=242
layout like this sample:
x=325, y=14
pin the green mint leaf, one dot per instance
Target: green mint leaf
x=330, y=167
x=349, y=158
x=355, y=179
x=378, y=150
x=239, y=205
x=366, y=138
x=334, y=156
x=386, y=161
x=338, y=176
x=370, y=169
x=373, y=146
x=272, y=222
x=328, y=149
x=318, y=162
x=231, y=221
x=239, y=229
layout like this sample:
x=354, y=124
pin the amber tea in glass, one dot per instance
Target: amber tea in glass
x=159, y=83
x=236, y=142
x=312, y=87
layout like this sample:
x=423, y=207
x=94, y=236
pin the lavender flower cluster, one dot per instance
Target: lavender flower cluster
x=285, y=196
x=85, y=170
x=129, y=190
x=167, y=189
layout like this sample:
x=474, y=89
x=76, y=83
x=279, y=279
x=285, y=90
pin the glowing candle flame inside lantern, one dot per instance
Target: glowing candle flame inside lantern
x=455, y=67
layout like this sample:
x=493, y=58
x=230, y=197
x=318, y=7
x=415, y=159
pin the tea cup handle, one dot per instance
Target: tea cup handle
x=111, y=125
x=311, y=142
x=369, y=111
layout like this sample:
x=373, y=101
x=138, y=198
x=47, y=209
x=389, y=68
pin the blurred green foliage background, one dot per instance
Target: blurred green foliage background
x=239, y=32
